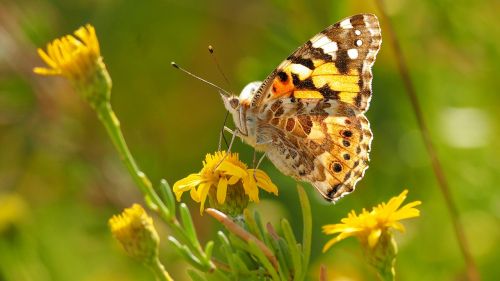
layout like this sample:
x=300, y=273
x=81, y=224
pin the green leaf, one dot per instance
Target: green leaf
x=286, y=252
x=258, y=222
x=257, y=252
x=292, y=245
x=307, y=226
x=167, y=196
x=219, y=275
x=184, y=251
x=237, y=242
x=209, y=247
x=187, y=222
x=228, y=252
x=284, y=271
x=242, y=266
x=251, y=224
x=194, y=275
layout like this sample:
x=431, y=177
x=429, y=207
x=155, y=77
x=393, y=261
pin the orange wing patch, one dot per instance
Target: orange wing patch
x=282, y=84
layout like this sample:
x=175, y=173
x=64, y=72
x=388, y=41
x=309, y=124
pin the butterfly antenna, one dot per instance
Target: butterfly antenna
x=219, y=68
x=214, y=58
x=175, y=65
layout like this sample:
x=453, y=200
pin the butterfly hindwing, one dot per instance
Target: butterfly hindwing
x=326, y=144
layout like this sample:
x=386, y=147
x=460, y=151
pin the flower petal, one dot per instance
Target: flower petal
x=373, y=237
x=231, y=169
x=369, y=226
x=338, y=238
x=233, y=180
x=186, y=184
x=398, y=226
x=263, y=181
x=194, y=195
x=203, y=193
x=250, y=187
x=221, y=190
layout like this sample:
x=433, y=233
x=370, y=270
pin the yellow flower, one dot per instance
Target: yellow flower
x=369, y=226
x=69, y=56
x=78, y=58
x=13, y=210
x=135, y=231
x=222, y=171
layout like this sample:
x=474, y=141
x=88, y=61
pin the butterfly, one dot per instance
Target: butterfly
x=308, y=115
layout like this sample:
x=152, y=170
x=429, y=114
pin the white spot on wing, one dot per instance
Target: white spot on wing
x=302, y=71
x=359, y=42
x=322, y=40
x=357, y=32
x=330, y=47
x=352, y=53
x=346, y=24
x=324, y=43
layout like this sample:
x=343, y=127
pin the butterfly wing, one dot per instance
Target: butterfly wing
x=312, y=107
x=334, y=64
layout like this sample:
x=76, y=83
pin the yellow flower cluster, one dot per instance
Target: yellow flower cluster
x=70, y=56
x=135, y=231
x=369, y=226
x=222, y=171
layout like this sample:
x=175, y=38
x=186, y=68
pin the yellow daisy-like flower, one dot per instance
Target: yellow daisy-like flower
x=135, y=231
x=369, y=226
x=71, y=56
x=78, y=58
x=222, y=174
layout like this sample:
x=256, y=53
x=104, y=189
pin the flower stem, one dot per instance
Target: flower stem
x=386, y=275
x=472, y=272
x=112, y=125
x=159, y=270
x=153, y=200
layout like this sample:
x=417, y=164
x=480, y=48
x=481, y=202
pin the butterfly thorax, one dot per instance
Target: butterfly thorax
x=244, y=115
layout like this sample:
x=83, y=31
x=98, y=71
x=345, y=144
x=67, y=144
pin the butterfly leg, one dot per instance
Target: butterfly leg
x=229, y=130
x=221, y=135
x=235, y=132
x=260, y=160
x=258, y=163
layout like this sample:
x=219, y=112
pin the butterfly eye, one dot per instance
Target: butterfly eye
x=234, y=102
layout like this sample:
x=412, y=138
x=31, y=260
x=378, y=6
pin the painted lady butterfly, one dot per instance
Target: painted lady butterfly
x=308, y=114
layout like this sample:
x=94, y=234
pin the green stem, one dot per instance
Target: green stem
x=160, y=272
x=472, y=271
x=112, y=125
x=385, y=275
x=153, y=200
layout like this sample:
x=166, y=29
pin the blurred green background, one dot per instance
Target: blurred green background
x=60, y=178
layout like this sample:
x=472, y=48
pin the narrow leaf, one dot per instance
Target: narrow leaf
x=251, y=224
x=242, y=233
x=184, y=251
x=167, y=196
x=209, y=249
x=257, y=251
x=194, y=275
x=307, y=225
x=292, y=245
x=187, y=223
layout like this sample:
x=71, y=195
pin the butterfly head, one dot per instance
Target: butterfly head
x=238, y=105
x=233, y=103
